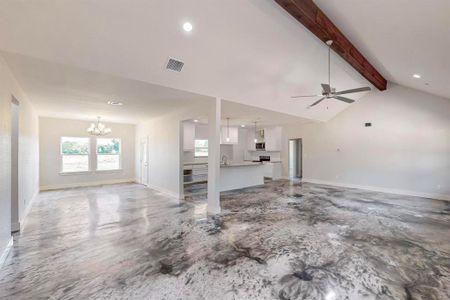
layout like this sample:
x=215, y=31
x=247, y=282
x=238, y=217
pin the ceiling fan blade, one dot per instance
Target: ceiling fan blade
x=344, y=99
x=326, y=88
x=305, y=96
x=317, y=102
x=363, y=89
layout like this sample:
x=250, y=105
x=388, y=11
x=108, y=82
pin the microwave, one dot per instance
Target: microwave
x=260, y=146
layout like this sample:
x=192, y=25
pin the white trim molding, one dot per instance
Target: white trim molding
x=166, y=192
x=18, y=226
x=5, y=252
x=380, y=189
x=15, y=227
x=27, y=210
x=85, y=184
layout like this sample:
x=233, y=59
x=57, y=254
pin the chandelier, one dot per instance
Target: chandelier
x=98, y=129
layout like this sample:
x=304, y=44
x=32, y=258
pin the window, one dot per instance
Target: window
x=201, y=148
x=108, y=154
x=74, y=154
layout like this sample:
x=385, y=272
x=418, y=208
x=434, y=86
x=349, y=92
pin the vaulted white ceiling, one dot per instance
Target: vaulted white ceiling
x=400, y=38
x=63, y=91
x=247, y=51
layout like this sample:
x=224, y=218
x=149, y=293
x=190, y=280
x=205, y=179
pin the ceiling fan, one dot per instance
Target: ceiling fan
x=329, y=92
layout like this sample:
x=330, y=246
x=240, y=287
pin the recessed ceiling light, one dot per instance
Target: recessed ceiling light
x=242, y=125
x=417, y=76
x=115, y=103
x=187, y=27
x=195, y=120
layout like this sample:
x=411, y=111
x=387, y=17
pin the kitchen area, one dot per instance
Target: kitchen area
x=250, y=154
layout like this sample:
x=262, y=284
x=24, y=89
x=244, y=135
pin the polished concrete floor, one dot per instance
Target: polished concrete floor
x=283, y=240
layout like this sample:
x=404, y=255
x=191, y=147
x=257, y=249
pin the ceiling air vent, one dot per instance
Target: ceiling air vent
x=174, y=65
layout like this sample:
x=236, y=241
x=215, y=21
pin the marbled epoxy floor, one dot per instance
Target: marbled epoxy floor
x=279, y=241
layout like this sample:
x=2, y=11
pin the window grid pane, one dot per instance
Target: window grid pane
x=201, y=148
x=75, y=163
x=74, y=154
x=108, y=162
x=108, y=154
x=74, y=146
x=108, y=146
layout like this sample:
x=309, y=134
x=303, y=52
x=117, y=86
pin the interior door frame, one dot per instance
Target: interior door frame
x=143, y=165
x=15, y=124
x=299, y=158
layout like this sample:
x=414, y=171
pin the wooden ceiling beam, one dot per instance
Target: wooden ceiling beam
x=310, y=15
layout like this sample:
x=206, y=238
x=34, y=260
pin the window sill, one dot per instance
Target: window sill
x=74, y=173
x=91, y=172
x=109, y=171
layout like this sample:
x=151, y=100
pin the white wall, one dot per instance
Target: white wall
x=51, y=131
x=28, y=153
x=407, y=149
x=165, y=151
x=28, y=157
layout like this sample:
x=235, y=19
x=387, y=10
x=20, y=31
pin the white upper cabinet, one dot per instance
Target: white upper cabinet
x=251, y=145
x=233, y=135
x=188, y=137
x=272, y=137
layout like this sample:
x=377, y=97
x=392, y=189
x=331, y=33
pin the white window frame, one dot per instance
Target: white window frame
x=61, y=164
x=196, y=156
x=97, y=155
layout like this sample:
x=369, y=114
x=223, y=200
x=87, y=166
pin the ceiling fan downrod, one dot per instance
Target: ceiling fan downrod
x=329, y=43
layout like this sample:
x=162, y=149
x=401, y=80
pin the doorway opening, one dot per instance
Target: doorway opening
x=295, y=158
x=15, y=109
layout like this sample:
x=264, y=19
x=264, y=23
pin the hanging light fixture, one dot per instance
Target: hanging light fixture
x=98, y=129
x=256, y=139
x=228, y=130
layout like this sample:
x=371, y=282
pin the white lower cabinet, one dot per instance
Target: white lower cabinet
x=273, y=170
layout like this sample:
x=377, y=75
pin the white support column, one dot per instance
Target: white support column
x=214, y=157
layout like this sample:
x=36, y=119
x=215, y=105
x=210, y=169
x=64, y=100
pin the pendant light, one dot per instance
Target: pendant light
x=228, y=130
x=256, y=140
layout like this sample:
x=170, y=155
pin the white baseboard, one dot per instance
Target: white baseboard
x=290, y=178
x=380, y=189
x=5, y=252
x=84, y=184
x=15, y=227
x=27, y=210
x=18, y=226
x=164, y=191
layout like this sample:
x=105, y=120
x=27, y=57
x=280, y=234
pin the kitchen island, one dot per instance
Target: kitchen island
x=240, y=175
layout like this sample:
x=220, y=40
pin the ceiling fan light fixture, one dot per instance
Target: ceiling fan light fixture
x=328, y=92
x=114, y=103
x=98, y=129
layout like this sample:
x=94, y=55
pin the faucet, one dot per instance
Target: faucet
x=224, y=159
